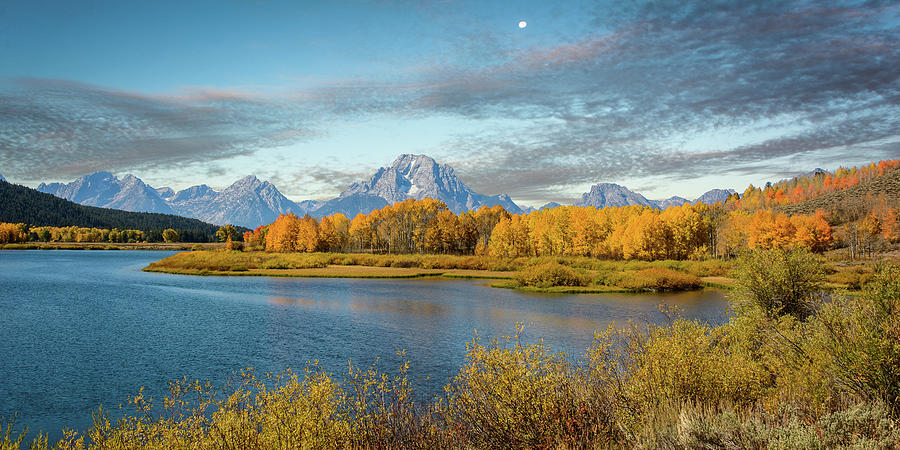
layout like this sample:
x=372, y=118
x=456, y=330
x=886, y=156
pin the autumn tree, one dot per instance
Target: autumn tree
x=813, y=232
x=307, y=234
x=282, y=234
x=169, y=235
x=225, y=232
x=334, y=233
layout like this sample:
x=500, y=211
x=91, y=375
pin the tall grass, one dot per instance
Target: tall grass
x=783, y=378
x=532, y=272
x=761, y=380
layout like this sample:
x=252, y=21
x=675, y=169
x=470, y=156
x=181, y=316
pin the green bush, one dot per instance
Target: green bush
x=861, y=335
x=658, y=279
x=549, y=274
x=854, y=278
x=779, y=282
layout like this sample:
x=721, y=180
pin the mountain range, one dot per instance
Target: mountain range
x=20, y=204
x=411, y=176
x=248, y=202
x=251, y=202
x=610, y=194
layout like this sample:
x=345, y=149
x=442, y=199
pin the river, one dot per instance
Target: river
x=83, y=328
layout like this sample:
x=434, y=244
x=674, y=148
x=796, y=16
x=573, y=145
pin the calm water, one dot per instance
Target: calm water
x=84, y=328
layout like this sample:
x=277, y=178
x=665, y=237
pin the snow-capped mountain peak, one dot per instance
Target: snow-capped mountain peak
x=103, y=189
x=411, y=176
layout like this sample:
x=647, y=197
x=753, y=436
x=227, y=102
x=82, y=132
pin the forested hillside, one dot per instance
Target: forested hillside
x=20, y=204
x=799, y=212
x=853, y=202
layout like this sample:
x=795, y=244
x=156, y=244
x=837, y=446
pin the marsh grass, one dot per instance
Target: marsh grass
x=539, y=274
x=769, y=378
x=754, y=382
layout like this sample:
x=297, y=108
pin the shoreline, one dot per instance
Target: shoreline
x=397, y=273
x=343, y=271
x=501, y=273
x=150, y=246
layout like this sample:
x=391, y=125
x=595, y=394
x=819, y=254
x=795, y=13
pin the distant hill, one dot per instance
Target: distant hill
x=848, y=204
x=26, y=205
x=105, y=190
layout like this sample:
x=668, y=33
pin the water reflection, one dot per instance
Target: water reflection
x=82, y=329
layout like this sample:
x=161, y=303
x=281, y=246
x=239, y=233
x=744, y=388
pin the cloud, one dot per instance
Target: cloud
x=67, y=128
x=623, y=99
x=613, y=106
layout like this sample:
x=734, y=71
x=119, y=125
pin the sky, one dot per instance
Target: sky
x=665, y=97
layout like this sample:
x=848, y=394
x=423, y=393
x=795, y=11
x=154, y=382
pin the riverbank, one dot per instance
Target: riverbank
x=338, y=271
x=754, y=381
x=584, y=275
x=156, y=246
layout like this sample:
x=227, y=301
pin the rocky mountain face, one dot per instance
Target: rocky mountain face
x=166, y=193
x=104, y=190
x=671, y=201
x=194, y=200
x=714, y=196
x=411, y=176
x=609, y=194
x=248, y=202
x=1, y=178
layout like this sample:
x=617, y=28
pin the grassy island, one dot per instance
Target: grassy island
x=537, y=274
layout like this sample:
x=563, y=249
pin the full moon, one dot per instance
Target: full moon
x=523, y=24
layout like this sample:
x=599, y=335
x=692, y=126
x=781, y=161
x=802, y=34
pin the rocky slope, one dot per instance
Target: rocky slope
x=416, y=177
x=104, y=190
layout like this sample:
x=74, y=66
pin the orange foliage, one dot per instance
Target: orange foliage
x=12, y=233
x=804, y=188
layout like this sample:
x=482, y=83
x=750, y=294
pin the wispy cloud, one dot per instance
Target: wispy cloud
x=610, y=104
x=66, y=128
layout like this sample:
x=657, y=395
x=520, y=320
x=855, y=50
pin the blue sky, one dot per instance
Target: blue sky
x=665, y=97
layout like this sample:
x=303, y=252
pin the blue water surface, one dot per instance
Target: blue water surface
x=79, y=329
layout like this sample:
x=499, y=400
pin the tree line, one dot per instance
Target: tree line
x=20, y=204
x=689, y=231
x=630, y=232
x=799, y=189
x=20, y=233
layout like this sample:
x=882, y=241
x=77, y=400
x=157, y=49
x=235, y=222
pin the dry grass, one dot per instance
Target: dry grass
x=757, y=381
x=335, y=271
x=855, y=198
x=537, y=274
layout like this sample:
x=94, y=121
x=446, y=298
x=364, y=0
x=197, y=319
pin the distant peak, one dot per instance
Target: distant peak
x=100, y=175
x=604, y=186
x=411, y=157
x=248, y=181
